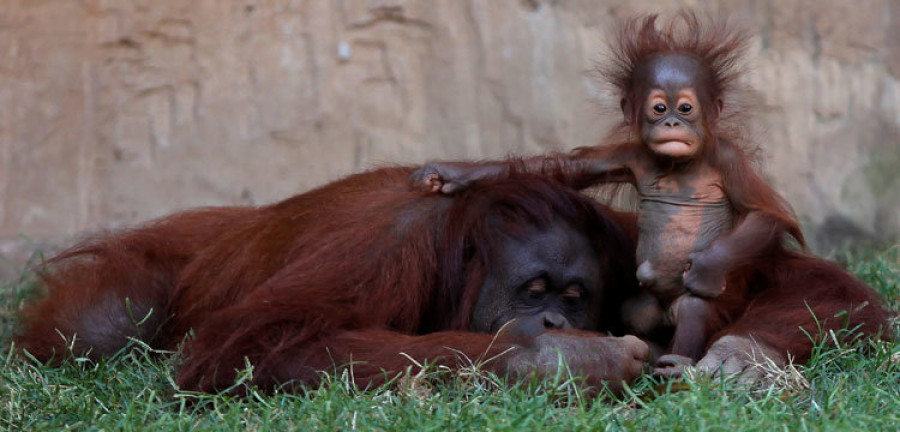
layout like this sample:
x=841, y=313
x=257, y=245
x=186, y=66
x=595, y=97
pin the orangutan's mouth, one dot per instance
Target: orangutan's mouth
x=674, y=148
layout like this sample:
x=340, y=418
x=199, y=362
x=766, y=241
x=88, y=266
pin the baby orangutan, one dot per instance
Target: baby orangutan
x=703, y=210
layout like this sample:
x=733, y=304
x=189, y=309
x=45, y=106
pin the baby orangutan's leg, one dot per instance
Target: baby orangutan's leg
x=690, y=316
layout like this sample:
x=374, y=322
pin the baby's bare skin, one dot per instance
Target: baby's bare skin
x=681, y=212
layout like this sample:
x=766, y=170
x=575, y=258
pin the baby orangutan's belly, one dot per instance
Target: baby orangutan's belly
x=669, y=232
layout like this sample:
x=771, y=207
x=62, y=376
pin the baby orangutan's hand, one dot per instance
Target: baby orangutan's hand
x=705, y=273
x=452, y=177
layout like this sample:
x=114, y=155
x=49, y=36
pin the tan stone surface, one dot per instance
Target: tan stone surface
x=112, y=112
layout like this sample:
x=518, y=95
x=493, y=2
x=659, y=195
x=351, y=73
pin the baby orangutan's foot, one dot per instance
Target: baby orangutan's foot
x=672, y=365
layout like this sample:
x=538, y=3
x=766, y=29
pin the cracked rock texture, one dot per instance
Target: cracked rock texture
x=113, y=112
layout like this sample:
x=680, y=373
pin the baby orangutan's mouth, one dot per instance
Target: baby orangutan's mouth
x=673, y=148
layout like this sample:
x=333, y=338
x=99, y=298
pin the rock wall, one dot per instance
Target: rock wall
x=112, y=112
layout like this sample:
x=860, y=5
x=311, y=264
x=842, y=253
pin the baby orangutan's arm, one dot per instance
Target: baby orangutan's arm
x=580, y=169
x=763, y=217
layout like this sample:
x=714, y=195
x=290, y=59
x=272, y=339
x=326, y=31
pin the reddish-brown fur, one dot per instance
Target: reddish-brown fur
x=359, y=270
x=792, y=300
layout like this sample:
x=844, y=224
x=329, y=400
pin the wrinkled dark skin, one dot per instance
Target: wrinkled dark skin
x=543, y=280
x=694, y=225
x=546, y=285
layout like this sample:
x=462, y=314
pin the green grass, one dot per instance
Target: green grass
x=846, y=387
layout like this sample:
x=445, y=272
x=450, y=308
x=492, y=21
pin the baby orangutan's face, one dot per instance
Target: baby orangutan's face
x=673, y=89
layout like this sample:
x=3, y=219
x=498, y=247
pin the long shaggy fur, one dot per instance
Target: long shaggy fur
x=361, y=269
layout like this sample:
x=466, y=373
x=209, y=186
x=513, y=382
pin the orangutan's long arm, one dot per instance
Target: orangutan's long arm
x=580, y=169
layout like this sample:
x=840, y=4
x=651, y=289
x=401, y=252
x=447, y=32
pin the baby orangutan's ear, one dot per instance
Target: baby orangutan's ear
x=720, y=104
x=626, y=106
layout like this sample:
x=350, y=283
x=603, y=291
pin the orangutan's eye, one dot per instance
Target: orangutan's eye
x=659, y=108
x=573, y=292
x=685, y=108
x=537, y=287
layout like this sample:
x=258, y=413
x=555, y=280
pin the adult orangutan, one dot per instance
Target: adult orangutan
x=711, y=232
x=362, y=270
